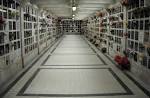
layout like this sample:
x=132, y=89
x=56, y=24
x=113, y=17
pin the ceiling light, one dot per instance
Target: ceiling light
x=73, y=15
x=73, y=18
x=74, y=8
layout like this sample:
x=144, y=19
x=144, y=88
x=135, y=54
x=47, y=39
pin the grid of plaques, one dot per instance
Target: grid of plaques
x=73, y=26
x=88, y=29
x=91, y=29
x=49, y=28
x=84, y=27
x=137, y=39
x=103, y=28
x=139, y=31
x=42, y=29
x=9, y=32
x=30, y=29
x=96, y=30
x=116, y=21
x=59, y=26
x=54, y=28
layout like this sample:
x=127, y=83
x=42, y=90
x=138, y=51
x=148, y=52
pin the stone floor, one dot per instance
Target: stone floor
x=73, y=69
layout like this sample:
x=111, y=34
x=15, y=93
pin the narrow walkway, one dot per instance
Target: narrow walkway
x=73, y=69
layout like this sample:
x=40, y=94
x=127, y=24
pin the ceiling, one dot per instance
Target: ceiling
x=63, y=8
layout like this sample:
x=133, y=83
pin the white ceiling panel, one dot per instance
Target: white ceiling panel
x=63, y=8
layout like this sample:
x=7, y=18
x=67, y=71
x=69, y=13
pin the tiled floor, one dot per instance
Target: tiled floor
x=73, y=69
x=73, y=59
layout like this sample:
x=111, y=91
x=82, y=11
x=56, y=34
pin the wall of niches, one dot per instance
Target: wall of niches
x=125, y=26
x=25, y=31
x=71, y=26
x=30, y=32
x=10, y=39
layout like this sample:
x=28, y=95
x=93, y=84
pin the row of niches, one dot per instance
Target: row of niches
x=28, y=41
x=7, y=48
x=13, y=25
x=11, y=37
x=6, y=60
x=138, y=27
x=115, y=47
x=9, y=4
x=117, y=25
x=115, y=39
x=2, y=37
x=136, y=46
x=28, y=33
x=28, y=17
x=118, y=33
x=102, y=25
x=30, y=48
x=9, y=14
x=30, y=11
x=71, y=24
x=146, y=37
x=8, y=11
x=27, y=25
x=46, y=22
x=134, y=29
x=117, y=18
x=139, y=24
x=9, y=29
x=14, y=36
x=139, y=53
x=135, y=4
x=146, y=61
x=139, y=46
x=115, y=10
x=134, y=35
x=139, y=13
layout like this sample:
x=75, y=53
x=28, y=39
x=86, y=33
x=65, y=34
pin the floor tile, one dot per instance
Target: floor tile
x=74, y=50
x=73, y=70
x=73, y=59
x=74, y=81
x=73, y=46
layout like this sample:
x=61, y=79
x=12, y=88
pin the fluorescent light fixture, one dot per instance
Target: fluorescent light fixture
x=74, y=8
